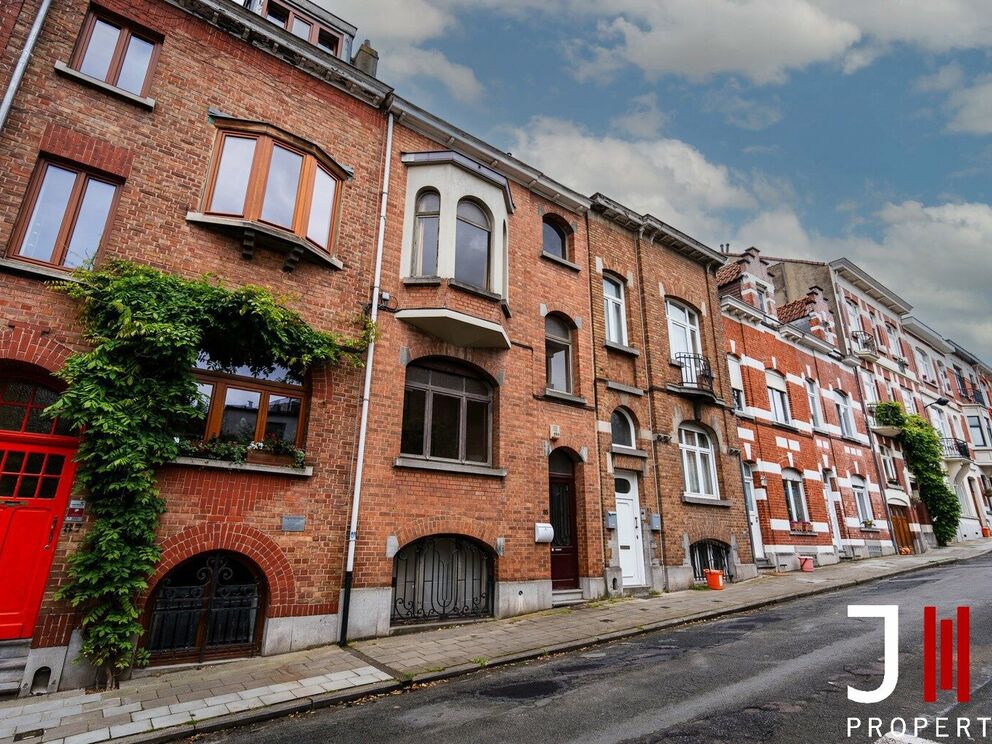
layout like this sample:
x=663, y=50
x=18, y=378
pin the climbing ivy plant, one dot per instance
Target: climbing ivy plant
x=922, y=449
x=132, y=396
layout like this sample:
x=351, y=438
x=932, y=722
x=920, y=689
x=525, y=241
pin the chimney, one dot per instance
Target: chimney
x=366, y=58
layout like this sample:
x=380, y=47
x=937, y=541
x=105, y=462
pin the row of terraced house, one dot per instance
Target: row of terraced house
x=567, y=399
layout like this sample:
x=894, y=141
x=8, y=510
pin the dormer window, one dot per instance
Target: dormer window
x=302, y=26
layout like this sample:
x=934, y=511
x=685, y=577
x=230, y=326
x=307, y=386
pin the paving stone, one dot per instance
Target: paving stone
x=211, y=711
x=173, y=719
x=129, y=729
x=89, y=737
x=221, y=699
x=240, y=705
x=277, y=697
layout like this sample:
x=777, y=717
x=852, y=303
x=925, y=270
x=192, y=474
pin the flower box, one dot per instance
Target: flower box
x=261, y=457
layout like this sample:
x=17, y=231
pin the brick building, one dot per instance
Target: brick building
x=813, y=487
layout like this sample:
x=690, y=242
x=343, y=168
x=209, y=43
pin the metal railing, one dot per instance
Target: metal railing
x=955, y=448
x=696, y=371
x=970, y=392
x=864, y=343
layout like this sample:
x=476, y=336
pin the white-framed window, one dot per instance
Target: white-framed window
x=843, y=404
x=907, y=400
x=473, y=244
x=813, y=397
x=778, y=398
x=615, y=310
x=762, y=298
x=888, y=463
x=747, y=473
x=698, y=462
x=622, y=429
x=737, y=384
x=977, y=431
x=923, y=365
x=425, y=233
x=862, y=500
x=683, y=329
x=795, y=495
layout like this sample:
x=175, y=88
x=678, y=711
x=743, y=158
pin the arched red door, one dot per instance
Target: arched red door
x=36, y=472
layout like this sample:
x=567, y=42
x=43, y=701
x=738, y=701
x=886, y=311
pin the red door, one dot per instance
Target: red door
x=34, y=487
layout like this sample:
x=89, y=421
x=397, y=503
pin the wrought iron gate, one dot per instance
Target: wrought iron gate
x=442, y=578
x=207, y=607
x=711, y=554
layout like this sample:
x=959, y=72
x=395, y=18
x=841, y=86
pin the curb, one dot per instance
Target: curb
x=316, y=702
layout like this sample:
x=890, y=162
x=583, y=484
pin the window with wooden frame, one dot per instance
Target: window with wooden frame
x=558, y=353
x=302, y=26
x=241, y=406
x=66, y=213
x=264, y=175
x=117, y=52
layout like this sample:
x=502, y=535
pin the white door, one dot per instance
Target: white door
x=832, y=514
x=752, y=512
x=629, y=530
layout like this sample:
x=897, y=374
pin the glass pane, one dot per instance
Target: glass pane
x=49, y=486
x=472, y=253
x=418, y=374
x=48, y=214
x=44, y=396
x=447, y=380
x=35, y=462
x=14, y=462
x=283, y=417
x=7, y=484
x=557, y=361
x=621, y=485
x=611, y=288
x=301, y=28
x=620, y=428
x=240, y=414
x=18, y=392
x=277, y=14
x=429, y=201
x=54, y=465
x=427, y=235
x=281, y=187
x=477, y=431
x=706, y=474
x=28, y=486
x=327, y=42
x=560, y=463
x=11, y=418
x=232, y=176
x=554, y=326
x=445, y=426
x=135, y=66
x=616, y=322
x=691, y=472
x=91, y=222
x=476, y=387
x=100, y=50
x=321, y=208
x=414, y=412
x=205, y=391
x=472, y=212
x=553, y=241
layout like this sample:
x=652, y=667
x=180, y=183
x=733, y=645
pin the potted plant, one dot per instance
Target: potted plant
x=794, y=526
x=807, y=526
x=868, y=524
x=274, y=451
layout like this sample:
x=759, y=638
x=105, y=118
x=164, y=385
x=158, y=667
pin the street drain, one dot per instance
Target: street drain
x=523, y=690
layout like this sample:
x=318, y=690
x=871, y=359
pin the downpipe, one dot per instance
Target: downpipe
x=22, y=62
x=356, y=498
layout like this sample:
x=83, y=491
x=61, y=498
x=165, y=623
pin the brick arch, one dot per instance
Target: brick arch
x=481, y=530
x=238, y=538
x=487, y=362
x=35, y=348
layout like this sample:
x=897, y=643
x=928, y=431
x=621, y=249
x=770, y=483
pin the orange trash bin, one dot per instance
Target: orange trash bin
x=714, y=579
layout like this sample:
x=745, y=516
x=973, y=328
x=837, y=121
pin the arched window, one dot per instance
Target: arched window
x=473, y=243
x=866, y=514
x=683, y=329
x=425, y=233
x=22, y=405
x=442, y=577
x=795, y=496
x=554, y=237
x=558, y=352
x=698, y=462
x=615, y=311
x=447, y=414
x=622, y=429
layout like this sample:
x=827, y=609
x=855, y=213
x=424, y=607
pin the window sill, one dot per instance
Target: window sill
x=422, y=281
x=801, y=533
x=704, y=501
x=821, y=431
x=560, y=261
x=478, y=291
x=853, y=440
x=203, y=462
x=296, y=248
x=416, y=463
x=743, y=414
x=146, y=103
x=622, y=348
x=629, y=451
x=622, y=388
x=870, y=529
x=558, y=395
x=787, y=427
x=41, y=271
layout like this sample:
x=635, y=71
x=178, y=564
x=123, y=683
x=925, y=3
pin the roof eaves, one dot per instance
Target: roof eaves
x=867, y=283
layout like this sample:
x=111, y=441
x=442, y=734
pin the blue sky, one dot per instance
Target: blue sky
x=810, y=128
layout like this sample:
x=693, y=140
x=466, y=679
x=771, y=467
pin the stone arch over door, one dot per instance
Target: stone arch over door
x=34, y=348
x=477, y=529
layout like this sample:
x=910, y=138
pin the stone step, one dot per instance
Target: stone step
x=15, y=649
x=10, y=688
x=564, y=597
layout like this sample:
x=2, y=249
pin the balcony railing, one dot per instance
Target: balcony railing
x=864, y=344
x=697, y=374
x=955, y=449
x=971, y=393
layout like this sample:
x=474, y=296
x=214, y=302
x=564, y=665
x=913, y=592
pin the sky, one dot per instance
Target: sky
x=808, y=128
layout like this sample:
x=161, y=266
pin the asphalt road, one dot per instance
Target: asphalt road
x=774, y=675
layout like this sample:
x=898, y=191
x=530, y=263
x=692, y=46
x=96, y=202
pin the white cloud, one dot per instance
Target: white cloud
x=643, y=120
x=666, y=177
x=971, y=108
x=739, y=111
x=936, y=257
x=407, y=63
x=947, y=78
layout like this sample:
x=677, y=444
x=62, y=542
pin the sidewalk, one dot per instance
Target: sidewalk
x=177, y=704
